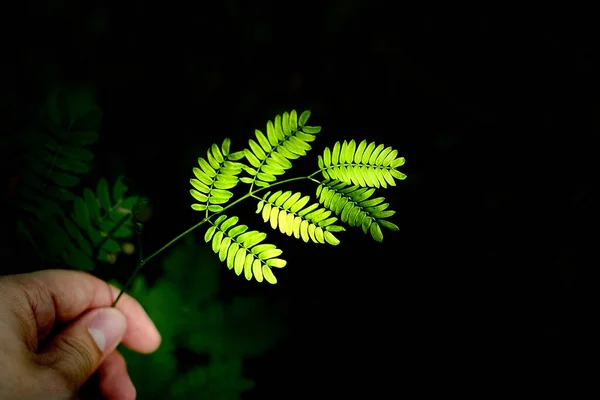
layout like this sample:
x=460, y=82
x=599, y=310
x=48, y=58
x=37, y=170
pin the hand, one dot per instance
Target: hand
x=38, y=362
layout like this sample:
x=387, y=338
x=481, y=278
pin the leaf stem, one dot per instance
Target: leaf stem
x=109, y=235
x=138, y=232
x=205, y=219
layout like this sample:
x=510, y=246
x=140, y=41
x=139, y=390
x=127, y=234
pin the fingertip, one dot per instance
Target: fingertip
x=153, y=341
x=143, y=342
x=142, y=334
x=114, y=381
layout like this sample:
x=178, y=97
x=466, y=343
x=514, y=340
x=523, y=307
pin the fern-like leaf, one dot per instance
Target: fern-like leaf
x=287, y=212
x=355, y=206
x=365, y=164
x=110, y=222
x=53, y=165
x=95, y=229
x=216, y=175
x=287, y=139
x=242, y=250
x=56, y=157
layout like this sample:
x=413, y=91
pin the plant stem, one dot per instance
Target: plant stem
x=109, y=234
x=251, y=193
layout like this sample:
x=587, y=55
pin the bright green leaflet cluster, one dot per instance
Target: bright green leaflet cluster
x=351, y=174
x=287, y=139
x=217, y=173
x=286, y=211
x=73, y=229
x=355, y=206
x=365, y=165
x=242, y=250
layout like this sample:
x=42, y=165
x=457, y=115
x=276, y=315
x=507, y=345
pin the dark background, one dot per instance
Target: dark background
x=492, y=111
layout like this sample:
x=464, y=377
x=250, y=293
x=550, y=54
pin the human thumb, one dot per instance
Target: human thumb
x=80, y=348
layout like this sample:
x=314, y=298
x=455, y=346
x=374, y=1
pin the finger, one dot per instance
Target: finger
x=115, y=383
x=64, y=295
x=77, y=351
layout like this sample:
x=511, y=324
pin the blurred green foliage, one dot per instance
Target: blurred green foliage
x=184, y=305
x=61, y=225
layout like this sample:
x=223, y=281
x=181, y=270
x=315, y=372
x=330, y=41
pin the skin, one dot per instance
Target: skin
x=46, y=350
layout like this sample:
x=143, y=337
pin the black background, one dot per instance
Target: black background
x=492, y=110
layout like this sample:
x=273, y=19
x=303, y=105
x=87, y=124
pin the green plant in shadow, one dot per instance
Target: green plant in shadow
x=60, y=225
x=351, y=172
x=185, y=309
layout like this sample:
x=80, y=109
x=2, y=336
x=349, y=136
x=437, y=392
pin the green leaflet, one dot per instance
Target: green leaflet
x=215, y=176
x=355, y=206
x=242, y=251
x=286, y=211
x=365, y=165
x=287, y=138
